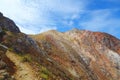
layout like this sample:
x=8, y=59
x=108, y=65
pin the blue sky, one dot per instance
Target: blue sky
x=36, y=16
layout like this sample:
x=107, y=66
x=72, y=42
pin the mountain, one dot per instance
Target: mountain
x=52, y=55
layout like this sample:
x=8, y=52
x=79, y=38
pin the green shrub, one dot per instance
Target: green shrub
x=44, y=76
x=10, y=49
x=45, y=71
x=26, y=58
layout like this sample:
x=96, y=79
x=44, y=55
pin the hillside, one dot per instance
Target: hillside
x=52, y=55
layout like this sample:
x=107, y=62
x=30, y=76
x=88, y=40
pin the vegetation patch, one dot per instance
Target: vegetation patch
x=26, y=58
x=44, y=76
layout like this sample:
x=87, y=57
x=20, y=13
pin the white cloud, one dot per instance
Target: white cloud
x=33, y=15
x=102, y=20
x=30, y=31
x=16, y=10
x=97, y=20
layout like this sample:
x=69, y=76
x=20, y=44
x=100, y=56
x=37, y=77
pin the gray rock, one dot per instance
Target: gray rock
x=2, y=65
x=4, y=75
x=1, y=15
x=8, y=24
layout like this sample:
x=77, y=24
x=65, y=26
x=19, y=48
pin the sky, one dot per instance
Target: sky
x=36, y=16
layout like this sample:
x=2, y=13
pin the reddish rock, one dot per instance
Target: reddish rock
x=83, y=54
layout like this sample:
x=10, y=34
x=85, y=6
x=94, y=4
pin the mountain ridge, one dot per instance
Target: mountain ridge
x=72, y=55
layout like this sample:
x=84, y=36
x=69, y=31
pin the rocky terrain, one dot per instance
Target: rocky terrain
x=52, y=55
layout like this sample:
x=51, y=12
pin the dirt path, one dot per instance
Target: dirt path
x=24, y=70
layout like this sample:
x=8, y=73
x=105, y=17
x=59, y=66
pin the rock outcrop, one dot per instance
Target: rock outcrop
x=8, y=24
x=6, y=66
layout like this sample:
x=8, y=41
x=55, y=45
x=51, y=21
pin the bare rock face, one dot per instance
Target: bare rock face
x=1, y=15
x=84, y=55
x=7, y=24
x=11, y=36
